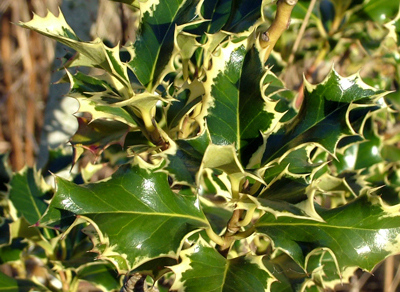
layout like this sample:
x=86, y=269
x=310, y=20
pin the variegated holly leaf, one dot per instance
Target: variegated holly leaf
x=275, y=89
x=321, y=273
x=180, y=113
x=97, y=135
x=326, y=115
x=100, y=96
x=235, y=109
x=152, y=52
x=297, y=162
x=224, y=158
x=362, y=154
x=241, y=17
x=29, y=193
x=134, y=215
x=219, y=22
x=155, y=268
x=360, y=233
x=204, y=269
x=288, y=179
x=290, y=276
x=90, y=54
x=184, y=158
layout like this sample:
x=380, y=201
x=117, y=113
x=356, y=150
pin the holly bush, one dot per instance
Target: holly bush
x=223, y=178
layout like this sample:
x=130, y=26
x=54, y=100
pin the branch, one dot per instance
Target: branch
x=281, y=22
x=232, y=228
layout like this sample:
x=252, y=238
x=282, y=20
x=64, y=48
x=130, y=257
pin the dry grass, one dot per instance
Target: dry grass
x=26, y=59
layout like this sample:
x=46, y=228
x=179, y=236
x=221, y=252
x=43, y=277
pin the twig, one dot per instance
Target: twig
x=301, y=31
x=232, y=228
x=396, y=281
x=388, y=274
x=269, y=38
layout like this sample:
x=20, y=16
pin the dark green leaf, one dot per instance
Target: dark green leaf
x=154, y=45
x=238, y=111
x=102, y=275
x=353, y=233
x=28, y=192
x=8, y=284
x=204, y=269
x=135, y=215
x=379, y=11
x=323, y=118
x=185, y=157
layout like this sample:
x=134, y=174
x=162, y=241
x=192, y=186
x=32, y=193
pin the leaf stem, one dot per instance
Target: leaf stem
x=154, y=131
x=214, y=237
x=248, y=217
x=269, y=38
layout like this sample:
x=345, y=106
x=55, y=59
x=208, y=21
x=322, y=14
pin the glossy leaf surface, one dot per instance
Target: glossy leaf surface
x=238, y=112
x=350, y=232
x=134, y=213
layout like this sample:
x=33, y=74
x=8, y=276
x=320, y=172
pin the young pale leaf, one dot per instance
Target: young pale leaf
x=360, y=233
x=324, y=118
x=186, y=98
x=204, y=269
x=135, y=215
x=97, y=96
x=224, y=158
x=91, y=54
x=22, y=229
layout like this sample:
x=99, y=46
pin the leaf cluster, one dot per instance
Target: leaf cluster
x=223, y=179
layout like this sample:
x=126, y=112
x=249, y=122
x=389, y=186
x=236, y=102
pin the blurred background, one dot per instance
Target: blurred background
x=34, y=113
